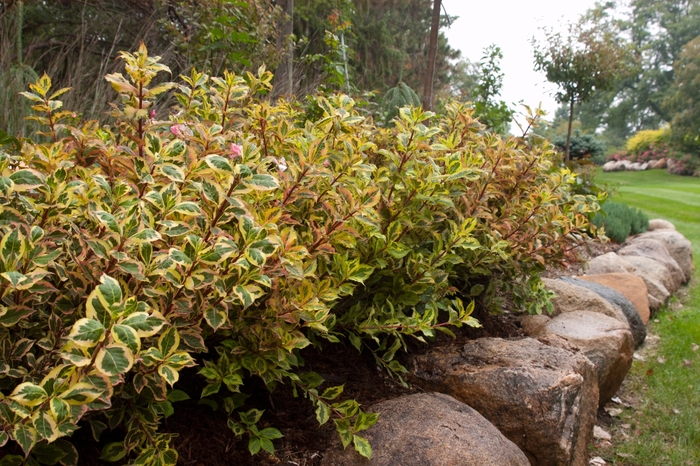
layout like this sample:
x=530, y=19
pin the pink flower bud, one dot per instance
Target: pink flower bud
x=152, y=113
x=181, y=129
x=236, y=151
x=326, y=163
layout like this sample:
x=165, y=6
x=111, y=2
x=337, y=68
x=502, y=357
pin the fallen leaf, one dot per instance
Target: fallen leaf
x=626, y=426
x=676, y=411
x=661, y=359
x=694, y=346
x=600, y=433
x=657, y=320
x=616, y=399
x=614, y=411
x=639, y=357
x=687, y=362
x=597, y=461
x=649, y=372
x=624, y=455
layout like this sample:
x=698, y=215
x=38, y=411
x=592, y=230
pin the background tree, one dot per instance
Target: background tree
x=495, y=114
x=657, y=31
x=284, y=75
x=581, y=62
x=684, y=103
x=432, y=56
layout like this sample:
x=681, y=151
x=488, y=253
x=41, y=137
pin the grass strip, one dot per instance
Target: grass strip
x=663, y=425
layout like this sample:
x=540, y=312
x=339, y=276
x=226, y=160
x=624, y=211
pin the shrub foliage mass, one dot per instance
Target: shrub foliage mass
x=229, y=233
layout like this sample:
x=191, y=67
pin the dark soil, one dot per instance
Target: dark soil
x=204, y=439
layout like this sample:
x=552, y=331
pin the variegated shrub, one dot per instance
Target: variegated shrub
x=231, y=233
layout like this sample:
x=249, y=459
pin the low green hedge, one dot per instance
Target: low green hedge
x=620, y=221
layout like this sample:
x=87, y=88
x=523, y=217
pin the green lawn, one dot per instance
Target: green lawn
x=663, y=425
x=660, y=195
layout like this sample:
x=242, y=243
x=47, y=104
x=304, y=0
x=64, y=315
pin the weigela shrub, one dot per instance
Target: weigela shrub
x=229, y=232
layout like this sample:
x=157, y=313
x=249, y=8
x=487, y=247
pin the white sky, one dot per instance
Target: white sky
x=510, y=24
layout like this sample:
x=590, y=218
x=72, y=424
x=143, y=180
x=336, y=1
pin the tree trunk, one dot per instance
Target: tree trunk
x=284, y=74
x=432, y=55
x=568, y=132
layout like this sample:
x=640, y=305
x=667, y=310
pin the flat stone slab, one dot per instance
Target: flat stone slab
x=430, y=429
x=543, y=398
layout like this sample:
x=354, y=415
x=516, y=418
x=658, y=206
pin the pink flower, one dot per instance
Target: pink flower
x=236, y=151
x=326, y=163
x=181, y=130
x=152, y=113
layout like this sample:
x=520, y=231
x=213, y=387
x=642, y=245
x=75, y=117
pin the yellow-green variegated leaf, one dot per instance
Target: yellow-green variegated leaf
x=218, y=163
x=187, y=208
x=81, y=393
x=110, y=290
x=104, y=298
x=127, y=336
x=76, y=355
x=173, y=172
x=262, y=182
x=45, y=425
x=26, y=436
x=87, y=333
x=109, y=221
x=169, y=374
x=180, y=359
x=11, y=246
x=25, y=180
x=60, y=409
x=114, y=360
x=120, y=84
x=215, y=317
x=147, y=235
x=28, y=394
x=169, y=341
x=144, y=324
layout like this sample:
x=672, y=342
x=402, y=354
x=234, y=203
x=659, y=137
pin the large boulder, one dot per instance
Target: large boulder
x=660, y=224
x=541, y=397
x=611, y=166
x=606, y=341
x=678, y=247
x=657, y=293
x=569, y=298
x=430, y=429
x=656, y=276
x=654, y=249
x=616, y=298
x=654, y=270
x=631, y=286
x=605, y=263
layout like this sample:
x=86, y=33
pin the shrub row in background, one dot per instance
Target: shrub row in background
x=651, y=145
x=231, y=232
x=620, y=221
